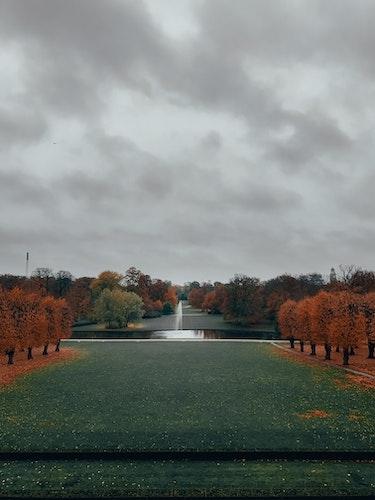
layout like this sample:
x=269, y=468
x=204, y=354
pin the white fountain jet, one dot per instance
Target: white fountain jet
x=178, y=323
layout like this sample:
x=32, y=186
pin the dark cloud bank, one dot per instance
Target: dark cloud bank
x=242, y=144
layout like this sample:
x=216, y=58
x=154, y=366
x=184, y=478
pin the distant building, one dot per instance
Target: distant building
x=332, y=276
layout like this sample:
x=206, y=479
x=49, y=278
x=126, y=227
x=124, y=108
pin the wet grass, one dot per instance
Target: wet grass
x=185, y=396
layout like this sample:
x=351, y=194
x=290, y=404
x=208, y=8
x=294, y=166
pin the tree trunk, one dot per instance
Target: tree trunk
x=302, y=345
x=345, y=357
x=45, y=350
x=10, y=355
x=371, y=349
x=351, y=352
x=337, y=348
x=313, y=350
x=291, y=340
x=29, y=353
x=57, y=349
x=328, y=349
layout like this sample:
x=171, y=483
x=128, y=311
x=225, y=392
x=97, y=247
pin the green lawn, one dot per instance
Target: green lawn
x=184, y=396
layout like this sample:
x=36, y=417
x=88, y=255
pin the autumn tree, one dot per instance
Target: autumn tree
x=171, y=296
x=8, y=338
x=322, y=312
x=278, y=290
x=64, y=323
x=158, y=290
x=35, y=326
x=132, y=279
x=362, y=281
x=80, y=298
x=209, y=302
x=18, y=309
x=53, y=317
x=304, y=324
x=215, y=301
x=63, y=282
x=244, y=300
x=348, y=325
x=43, y=278
x=116, y=308
x=28, y=320
x=196, y=297
x=10, y=281
x=287, y=319
x=367, y=308
x=106, y=280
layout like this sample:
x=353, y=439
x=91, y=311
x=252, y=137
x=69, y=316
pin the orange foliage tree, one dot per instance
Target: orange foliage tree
x=340, y=318
x=196, y=297
x=28, y=320
x=322, y=311
x=287, y=319
x=348, y=325
x=8, y=338
x=304, y=326
x=367, y=306
x=171, y=296
x=215, y=301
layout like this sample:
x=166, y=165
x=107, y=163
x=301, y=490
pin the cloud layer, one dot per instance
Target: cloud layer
x=195, y=142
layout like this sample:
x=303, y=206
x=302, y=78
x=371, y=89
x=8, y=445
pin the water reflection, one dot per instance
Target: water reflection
x=210, y=335
x=180, y=334
x=176, y=335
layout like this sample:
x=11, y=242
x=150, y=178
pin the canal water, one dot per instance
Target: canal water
x=177, y=335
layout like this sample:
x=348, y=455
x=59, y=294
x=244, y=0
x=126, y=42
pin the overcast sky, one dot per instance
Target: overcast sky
x=193, y=139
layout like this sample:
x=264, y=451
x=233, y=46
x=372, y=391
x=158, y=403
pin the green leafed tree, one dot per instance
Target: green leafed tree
x=116, y=308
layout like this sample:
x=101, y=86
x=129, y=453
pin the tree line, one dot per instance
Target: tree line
x=158, y=296
x=30, y=320
x=246, y=300
x=120, y=299
x=81, y=294
x=341, y=320
x=43, y=281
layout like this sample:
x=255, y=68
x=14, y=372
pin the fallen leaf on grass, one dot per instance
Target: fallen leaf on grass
x=354, y=416
x=22, y=366
x=366, y=382
x=314, y=414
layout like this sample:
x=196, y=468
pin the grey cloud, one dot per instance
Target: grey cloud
x=222, y=195
x=314, y=136
x=20, y=126
x=212, y=141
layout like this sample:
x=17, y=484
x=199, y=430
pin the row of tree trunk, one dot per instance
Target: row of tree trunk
x=346, y=352
x=10, y=354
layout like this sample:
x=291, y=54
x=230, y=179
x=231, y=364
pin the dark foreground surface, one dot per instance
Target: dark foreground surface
x=185, y=479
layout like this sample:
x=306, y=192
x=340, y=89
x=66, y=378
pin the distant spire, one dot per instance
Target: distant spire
x=332, y=275
x=27, y=264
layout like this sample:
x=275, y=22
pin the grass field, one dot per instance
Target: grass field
x=182, y=395
x=185, y=396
